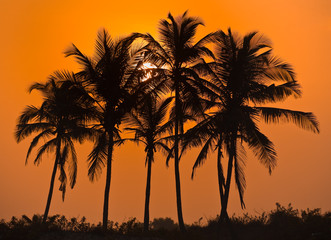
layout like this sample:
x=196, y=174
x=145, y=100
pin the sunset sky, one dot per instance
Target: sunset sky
x=34, y=35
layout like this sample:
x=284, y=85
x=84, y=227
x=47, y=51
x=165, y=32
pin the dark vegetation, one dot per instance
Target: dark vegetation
x=280, y=223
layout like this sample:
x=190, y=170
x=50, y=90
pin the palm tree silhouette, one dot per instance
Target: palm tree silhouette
x=147, y=122
x=59, y=120
x=175, y=55
x=110, y=79
x=243, y=77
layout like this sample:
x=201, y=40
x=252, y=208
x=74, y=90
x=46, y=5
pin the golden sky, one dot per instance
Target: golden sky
x=34, y=35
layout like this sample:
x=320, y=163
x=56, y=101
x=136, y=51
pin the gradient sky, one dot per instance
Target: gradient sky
x=34, y=35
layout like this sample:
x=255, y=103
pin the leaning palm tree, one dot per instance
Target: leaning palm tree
x=244, y=76
x=175, y=55
x=147, y=122
x=59, y=121
x=110, y=80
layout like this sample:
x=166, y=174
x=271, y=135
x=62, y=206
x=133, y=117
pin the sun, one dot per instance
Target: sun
x=147, y=66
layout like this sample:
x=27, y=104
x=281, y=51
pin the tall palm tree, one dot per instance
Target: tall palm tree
x=59, y=121
x=147, y=122
x=175, y=55
x=110, y=80
x=244, y=76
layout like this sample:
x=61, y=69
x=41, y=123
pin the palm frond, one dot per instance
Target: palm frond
x=170, y=155
x=274, y=93
x=98, y=156
x=103, y=44
x=279, y=70
x=30, y=113
x=162, y=110
x=239, y=165
x=47, y=147
x=261, y=145
x=163, y=147
x=80, y=57
x=304, y=120
x=202, y=155
x=44, y=134
x=37, y=86
x=71, y=160
x=63, y=180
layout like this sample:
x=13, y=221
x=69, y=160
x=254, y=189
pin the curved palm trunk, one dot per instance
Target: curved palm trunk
x=51, y=187
x=177, y=177
x=224, y=216
x=148, y=189
x=108, y=179
x=220, y=176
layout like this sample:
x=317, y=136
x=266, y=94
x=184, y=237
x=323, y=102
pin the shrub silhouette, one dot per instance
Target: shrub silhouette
x=284, y=222
x=163, y=224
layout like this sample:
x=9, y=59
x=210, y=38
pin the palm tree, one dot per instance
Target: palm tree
x=147, y=123
x=59, y=121
x=244, y=76
x=110, y=80
x=175, y=55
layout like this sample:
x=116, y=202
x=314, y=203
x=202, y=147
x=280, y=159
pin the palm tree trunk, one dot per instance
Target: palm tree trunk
x=224, y=215
x=220, y=172
x=178, y=196
x=177, y=177
x=108, y=178
x=148, y=188
x=220, y=181
x=51, y=187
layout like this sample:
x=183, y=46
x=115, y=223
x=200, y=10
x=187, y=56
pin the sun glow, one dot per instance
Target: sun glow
x=147, y=67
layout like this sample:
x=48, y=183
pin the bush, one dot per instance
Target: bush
x=282, y=223
x=163, y=224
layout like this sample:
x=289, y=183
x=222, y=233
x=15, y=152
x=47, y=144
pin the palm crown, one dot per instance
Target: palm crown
x=175, y=55
x=111, y=80
x=244, y=74
x=59, y=121
x=148, y=123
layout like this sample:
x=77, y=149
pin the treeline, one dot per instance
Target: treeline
x=280, y=223
x=151, y=89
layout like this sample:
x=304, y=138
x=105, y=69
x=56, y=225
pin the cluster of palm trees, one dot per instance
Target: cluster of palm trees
x=220, y=90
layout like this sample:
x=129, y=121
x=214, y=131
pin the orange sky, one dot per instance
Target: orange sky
x=34, y=35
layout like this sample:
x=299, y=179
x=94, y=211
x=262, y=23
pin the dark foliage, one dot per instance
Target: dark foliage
x=281, y=223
